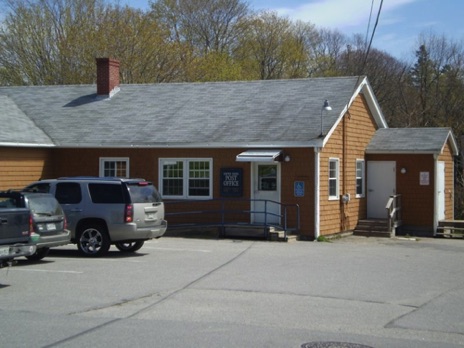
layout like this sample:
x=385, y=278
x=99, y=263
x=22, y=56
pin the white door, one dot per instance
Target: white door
x=381, y=184
x=441, y=190
x=266, y=193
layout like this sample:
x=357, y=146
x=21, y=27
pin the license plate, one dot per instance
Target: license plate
x=4, y=251
x=151, y=216
x=51, y=227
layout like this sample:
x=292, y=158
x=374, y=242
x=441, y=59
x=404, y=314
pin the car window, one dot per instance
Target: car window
x=42, y=188
x=106, y=193
x=43, y=205
x=143, y=192
x=68, y=193
x=9, y=202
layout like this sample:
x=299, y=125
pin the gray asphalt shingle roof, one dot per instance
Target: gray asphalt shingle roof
x=241, y=114
x=17, y=128
x=409, y=140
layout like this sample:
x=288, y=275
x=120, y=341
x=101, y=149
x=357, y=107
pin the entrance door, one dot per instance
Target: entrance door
x=441, y=190
x=266, y=192
x=381, y=184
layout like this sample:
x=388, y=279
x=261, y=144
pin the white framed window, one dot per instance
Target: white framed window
x=360, y=178
x=114, y=167
x=186, y=178
x=333, y=178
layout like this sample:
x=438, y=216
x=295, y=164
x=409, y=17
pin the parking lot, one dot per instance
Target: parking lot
x=186, y=292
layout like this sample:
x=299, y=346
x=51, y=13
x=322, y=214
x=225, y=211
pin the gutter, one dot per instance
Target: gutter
x=205, y=145
x=435, y=195
x=8, y=144
x=317, y=192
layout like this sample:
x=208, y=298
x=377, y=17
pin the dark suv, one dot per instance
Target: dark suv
x=48, y=221
x=104, y=211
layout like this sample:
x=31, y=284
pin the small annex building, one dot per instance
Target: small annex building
x=418, y=164
x=316, y=155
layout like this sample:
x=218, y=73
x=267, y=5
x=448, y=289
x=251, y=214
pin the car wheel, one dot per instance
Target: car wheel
x=39, y=254
x=129, y=247
x=93, y=240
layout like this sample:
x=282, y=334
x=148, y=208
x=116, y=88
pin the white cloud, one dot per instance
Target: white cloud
x=339, y=14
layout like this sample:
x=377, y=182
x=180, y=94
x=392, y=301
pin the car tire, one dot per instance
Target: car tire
x=93, y=240
x=39, y=254
x=129, y=247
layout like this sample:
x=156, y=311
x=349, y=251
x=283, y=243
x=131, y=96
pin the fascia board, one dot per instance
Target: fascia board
x=297, y=144
x=454, y=144
x=404, y=152
x=374, y=107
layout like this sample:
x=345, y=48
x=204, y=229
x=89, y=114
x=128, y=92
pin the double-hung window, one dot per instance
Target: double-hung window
x=360, y=178
x=186, y=178
x=333, y=178
x=114, y=167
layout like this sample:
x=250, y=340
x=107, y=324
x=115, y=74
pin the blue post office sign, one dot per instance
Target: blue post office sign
x=231, y=182
x=299, y=188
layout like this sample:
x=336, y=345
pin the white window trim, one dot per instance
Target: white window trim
x=186, y=161
x=363, y=176
x=337, y=179
x=101, y=170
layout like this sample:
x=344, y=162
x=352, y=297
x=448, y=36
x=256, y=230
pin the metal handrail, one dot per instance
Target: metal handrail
x=393, y=208
x=224, y=211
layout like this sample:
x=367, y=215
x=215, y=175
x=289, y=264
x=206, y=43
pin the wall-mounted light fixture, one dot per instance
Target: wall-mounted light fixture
x=403, y=170
x=287, y=158
x=325, y=107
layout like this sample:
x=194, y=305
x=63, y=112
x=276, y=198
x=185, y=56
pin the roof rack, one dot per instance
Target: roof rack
x=100, y=178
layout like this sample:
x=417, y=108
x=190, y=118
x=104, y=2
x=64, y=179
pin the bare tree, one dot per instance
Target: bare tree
x=437, y=83
x=142, y=46
x=326, y=48
x=272, y=48
x=206, y=25
x=57, y=41
x=386, y=74
x=48, y=41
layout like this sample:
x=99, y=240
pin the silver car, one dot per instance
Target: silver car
x=105, y=211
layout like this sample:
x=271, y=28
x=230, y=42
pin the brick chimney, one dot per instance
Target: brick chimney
x=107, y=77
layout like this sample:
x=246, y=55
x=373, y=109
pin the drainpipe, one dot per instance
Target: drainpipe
x=435, y=194
x=317, y=192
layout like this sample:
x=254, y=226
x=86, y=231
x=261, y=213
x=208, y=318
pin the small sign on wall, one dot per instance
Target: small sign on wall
x=231, y=182
x=424, y=178
x=299, y=188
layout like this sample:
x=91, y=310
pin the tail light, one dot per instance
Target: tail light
x=129, y=213
x=65, y=223
x=31, y=225
x=34, y=237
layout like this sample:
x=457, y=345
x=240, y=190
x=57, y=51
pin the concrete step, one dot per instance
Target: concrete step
x=372, y=228
x=274, y=234
x=380, y=234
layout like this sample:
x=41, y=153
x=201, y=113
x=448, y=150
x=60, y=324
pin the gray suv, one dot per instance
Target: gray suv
x=49, y=223
x=104, y=211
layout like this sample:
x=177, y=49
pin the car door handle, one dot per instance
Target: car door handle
x=76, y=210
x=3, y=221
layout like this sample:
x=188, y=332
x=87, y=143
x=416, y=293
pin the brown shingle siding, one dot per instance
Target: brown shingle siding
x=417, y=199
x=21, y=166
x=347, y=143
x=144, y=163
x=447, y=157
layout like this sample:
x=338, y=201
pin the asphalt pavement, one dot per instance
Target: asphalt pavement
x=208, y=292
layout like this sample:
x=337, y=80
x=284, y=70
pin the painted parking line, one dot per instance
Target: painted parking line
x=178, y=249
x=108, y=259
x=45, y=270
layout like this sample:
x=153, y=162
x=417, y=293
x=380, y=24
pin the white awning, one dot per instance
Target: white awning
x=259, y=156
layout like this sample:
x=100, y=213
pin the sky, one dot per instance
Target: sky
x=400, y=22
